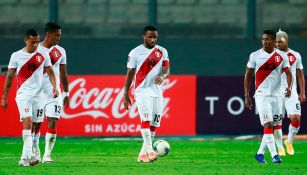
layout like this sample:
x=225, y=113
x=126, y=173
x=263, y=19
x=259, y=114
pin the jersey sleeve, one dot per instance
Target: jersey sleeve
x=251, y=61
x=63, y=60
x=47, y=62
x=166, y=61
x=13, y=62
x=132, y=60
x=299, y=62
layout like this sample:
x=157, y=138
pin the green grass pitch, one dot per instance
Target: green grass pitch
x=89, y=156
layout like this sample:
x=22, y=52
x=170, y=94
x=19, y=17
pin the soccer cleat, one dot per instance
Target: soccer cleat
x=289, y=148
x=47, y=159
x=23, y=162
x=260, y=158
x=152, y=156
x=143, y=158
x=33, y=161
x=281, y=152
x=276, y=159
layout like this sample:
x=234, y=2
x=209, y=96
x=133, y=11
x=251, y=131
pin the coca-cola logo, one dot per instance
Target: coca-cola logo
x=105, y=102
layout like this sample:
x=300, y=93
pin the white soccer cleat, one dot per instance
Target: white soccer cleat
x=143, y=158
x=47, y=159
x=23, y=162
x=152, y=156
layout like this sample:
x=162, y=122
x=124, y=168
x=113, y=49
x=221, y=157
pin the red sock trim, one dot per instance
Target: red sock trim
x=153, y=128
x=51, y=131
x=268, y=130
x=278, y=127
x=296, y=124
x=145, y=125
x=36, y=131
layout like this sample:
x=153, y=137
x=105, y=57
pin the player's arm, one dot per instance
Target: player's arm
x=247, y=84
x=289, y=82
x=301, y=83
x=64, y=80
x=51, y=75
x=7, y=86
x=128, y=81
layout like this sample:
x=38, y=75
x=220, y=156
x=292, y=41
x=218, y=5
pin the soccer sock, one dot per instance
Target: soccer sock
x=262, y=147
x=278, y=136
x=36, y=137
x=152, y=132
x=27, y=144
x=293, y=130
x=145, y=130
x=50, y=139
x=269, y=139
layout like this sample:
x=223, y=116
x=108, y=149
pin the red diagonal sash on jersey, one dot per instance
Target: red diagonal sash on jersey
x=271, y=64
x=150, y=62
x=29, y=68
x=292, y=60
x=55, y=55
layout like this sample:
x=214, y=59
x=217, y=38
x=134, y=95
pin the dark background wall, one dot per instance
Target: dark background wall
x=213, y=57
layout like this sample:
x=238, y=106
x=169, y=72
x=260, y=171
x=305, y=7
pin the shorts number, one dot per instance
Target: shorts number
x=157, y=118
x=57, y=109
x=277, y=118
x=39, y=112
x=298, y=106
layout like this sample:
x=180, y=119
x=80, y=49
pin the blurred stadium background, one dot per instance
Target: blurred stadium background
x=208, y=41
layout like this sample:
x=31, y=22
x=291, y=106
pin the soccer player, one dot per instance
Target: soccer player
x=52, y=106
x=292, y=104
x=149, y=64
x=29, y=65
x=267, y=63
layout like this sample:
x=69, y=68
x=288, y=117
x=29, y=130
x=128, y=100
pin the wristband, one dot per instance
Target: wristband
x=66, y=94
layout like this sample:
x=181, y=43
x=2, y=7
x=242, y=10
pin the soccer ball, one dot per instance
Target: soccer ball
x=161, y=148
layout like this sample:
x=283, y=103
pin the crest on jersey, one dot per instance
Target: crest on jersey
x=56, y=54
x=277, y=58
x=291, y=58
x=158, y=54
x=38, y=58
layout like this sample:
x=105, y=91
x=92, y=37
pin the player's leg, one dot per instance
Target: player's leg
x=264, y=107
x=53, y=112
x=25, y=111
x=157, y=115
x=145, y=106
x=278, y=125
x=37, y=119
x=294, y=113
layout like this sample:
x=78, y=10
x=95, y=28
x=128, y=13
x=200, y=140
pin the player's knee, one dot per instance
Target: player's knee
x=268, y=125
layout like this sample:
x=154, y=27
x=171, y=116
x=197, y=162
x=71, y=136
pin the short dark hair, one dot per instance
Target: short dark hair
x=149, y=28
x=271, y=33
x=52, y=27
x=30, y=32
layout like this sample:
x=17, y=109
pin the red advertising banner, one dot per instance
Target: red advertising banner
x=96, y=108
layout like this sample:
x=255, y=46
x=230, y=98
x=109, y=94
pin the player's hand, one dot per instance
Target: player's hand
x=4, y=103
x=66, y=102
x=302, y=98
x=248, y=102
x=288, y=92
x=158, y=80
x=127, y=102
x=55, y=93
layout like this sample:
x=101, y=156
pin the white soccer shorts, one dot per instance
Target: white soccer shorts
x=53, y=106
x=31, y=107
x=150, y=109
x=270, y=109
x=292, y=105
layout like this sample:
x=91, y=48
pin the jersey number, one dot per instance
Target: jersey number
x=57, y=109
x=157, y=118
x=39, y=112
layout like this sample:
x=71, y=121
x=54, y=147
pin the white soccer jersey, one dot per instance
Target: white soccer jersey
x=268, y=69
x=148, y=64
x=29, y=68
x=57, y=56
x=295, y=61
